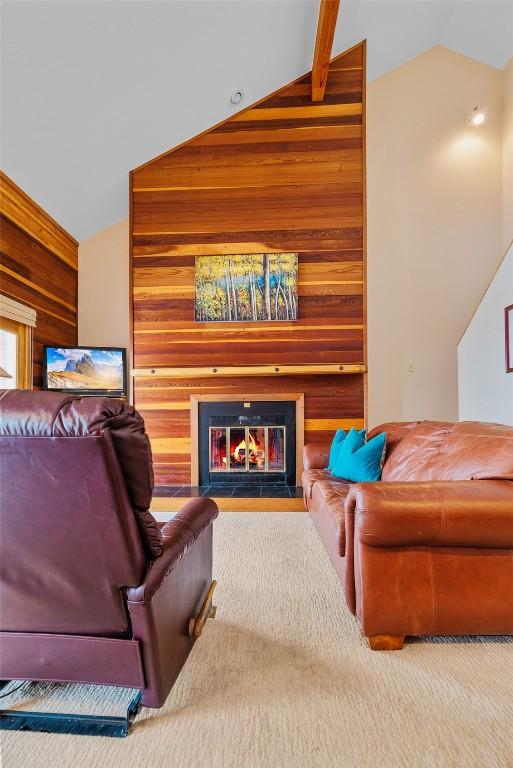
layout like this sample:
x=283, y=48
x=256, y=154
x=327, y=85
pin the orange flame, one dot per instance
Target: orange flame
x=242, y=446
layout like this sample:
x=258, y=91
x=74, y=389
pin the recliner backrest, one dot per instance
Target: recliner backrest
x=74, y=473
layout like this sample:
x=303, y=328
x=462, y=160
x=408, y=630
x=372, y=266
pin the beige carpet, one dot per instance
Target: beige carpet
x=282, y=679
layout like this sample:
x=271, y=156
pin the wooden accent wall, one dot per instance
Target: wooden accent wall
x=284, y=175
x=38, y=267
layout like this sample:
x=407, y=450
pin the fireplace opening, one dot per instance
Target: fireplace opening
x=247, y=449
x=243, y=443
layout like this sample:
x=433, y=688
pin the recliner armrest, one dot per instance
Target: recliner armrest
x=178, y=535
x=463, y=513
x=316, y=455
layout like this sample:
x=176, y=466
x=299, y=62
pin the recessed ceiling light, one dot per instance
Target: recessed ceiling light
x=477, y=116
x=237, y=96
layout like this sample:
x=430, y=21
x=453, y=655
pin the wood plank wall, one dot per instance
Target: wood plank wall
x=39, y=268
x=284, y=175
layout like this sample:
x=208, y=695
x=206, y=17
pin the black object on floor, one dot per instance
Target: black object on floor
x=78, y=725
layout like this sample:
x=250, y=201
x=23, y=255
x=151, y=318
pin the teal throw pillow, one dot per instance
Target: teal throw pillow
x=337, y=442
x=361, y=463
x=354, y=440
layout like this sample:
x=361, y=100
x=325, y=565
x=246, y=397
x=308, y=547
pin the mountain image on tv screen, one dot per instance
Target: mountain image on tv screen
x=84, y=369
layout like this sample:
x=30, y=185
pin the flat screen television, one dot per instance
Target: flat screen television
x=86, y=370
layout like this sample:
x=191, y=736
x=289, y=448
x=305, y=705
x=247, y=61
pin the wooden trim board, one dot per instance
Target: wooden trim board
x=162, y=507
x=248, y=370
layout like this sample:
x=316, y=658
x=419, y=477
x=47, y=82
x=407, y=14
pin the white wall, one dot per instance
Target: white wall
x=434, y=226
x=103, y=288
x=507, y=157
x=485, y=389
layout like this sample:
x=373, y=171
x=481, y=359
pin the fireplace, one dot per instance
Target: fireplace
x=247, y=442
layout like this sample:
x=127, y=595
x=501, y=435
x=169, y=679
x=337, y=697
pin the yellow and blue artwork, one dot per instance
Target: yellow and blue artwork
x=246, y=287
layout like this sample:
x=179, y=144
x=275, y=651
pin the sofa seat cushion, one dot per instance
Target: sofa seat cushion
x=328, y=499
x=311, y=476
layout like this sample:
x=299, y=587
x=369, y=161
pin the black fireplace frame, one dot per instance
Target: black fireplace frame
x=256, y=413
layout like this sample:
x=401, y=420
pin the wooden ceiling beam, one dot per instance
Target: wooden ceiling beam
x=326, y=24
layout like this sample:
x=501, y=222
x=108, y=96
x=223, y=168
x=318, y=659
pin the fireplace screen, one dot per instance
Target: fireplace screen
x=247, y=449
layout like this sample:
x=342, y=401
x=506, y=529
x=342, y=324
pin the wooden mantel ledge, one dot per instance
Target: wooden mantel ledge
x=249, y=370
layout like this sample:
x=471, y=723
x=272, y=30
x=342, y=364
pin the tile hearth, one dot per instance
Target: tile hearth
x=230, y=491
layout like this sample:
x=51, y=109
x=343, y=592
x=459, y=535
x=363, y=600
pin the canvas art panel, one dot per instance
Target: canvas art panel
x=255, y=287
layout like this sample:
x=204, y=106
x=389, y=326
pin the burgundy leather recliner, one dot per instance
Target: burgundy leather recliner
x=92, y=588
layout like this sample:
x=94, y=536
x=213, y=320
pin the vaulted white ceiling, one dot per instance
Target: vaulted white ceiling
x=93, y=88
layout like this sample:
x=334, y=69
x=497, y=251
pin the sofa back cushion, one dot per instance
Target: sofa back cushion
x=475, y=451
x=448, y=451
x=412, y=456
x=395, y=432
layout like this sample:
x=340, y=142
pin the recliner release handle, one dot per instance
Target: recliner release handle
x=207, y=611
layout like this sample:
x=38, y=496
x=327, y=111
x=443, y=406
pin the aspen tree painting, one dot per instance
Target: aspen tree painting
x=246, y=287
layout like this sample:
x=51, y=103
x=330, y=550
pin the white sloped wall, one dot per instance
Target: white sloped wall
x=485, y=389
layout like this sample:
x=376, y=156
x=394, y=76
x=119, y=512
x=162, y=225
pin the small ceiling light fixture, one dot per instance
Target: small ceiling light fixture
x=477, y=116
x=237, y=96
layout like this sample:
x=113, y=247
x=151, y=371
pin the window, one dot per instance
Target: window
x=15, y=354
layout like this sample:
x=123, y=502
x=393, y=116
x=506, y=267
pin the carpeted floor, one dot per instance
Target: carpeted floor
x=282, y=679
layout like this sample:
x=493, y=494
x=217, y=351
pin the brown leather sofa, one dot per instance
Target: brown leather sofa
x=92, y=588
x=428, y=550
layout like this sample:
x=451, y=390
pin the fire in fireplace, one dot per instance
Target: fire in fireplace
x=247, y=442
x=247, y=449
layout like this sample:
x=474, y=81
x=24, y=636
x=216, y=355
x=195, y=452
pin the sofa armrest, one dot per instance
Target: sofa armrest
x=316, y=455
x=463, y=513
x=178, y=536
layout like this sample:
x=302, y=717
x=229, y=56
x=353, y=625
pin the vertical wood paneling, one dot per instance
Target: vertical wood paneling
x=284, y=175
x=38, y=267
